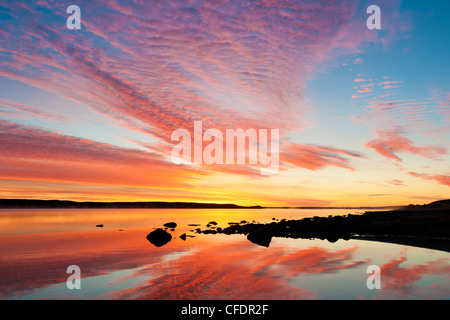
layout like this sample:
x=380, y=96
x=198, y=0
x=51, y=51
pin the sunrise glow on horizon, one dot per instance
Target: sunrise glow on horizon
x=363, y=115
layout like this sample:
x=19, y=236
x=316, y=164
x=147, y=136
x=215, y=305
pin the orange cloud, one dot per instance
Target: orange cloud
x=30, y=153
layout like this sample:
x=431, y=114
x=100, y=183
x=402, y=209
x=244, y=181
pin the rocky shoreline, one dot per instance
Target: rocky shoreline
x=425, y=226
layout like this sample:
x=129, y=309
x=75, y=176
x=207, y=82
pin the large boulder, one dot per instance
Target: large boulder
x=261, y=236
x=159, y=237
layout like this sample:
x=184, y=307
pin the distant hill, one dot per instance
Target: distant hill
x=437, y=205
x=44, y=204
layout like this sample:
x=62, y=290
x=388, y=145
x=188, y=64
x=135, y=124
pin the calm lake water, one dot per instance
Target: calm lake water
x=37, y=246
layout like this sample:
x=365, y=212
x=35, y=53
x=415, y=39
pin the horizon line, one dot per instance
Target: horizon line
x=204, y=204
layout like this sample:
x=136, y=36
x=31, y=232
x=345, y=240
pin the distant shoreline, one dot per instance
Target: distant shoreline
x=68, y=204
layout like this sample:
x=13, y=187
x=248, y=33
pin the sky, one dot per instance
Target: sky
x=363, y=114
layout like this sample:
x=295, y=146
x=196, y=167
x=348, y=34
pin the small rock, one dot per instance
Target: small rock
x=99, y=226
x=183, y=237
x=170, y=225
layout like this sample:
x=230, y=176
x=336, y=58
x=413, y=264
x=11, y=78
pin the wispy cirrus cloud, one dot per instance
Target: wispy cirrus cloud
x=316, y=157
x=402, y=126
x=440, y=178
x=390, y=143
x=396, y=182
x=21, y=111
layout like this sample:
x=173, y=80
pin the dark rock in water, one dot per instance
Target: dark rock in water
x=213, y=223
x=183, y=237
x=159, y=237
x=99, y=226
x=170, y=225
x=261, y=236
x=332, y=238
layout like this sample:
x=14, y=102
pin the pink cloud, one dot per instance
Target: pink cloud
x=408, y=115
x=442, y=179
x=389, y=83
x=316, y=157
x=396, y=182
x=221, y=62
x=206, y=75
x=389, y=143
x=250, y=274
x=400, y=280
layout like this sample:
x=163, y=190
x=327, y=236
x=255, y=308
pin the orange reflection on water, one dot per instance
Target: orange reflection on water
x=238, y=271
x=36, y=257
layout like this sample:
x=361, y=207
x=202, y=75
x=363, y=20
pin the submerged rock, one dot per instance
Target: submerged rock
x=261, y=236
x=159, y=237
